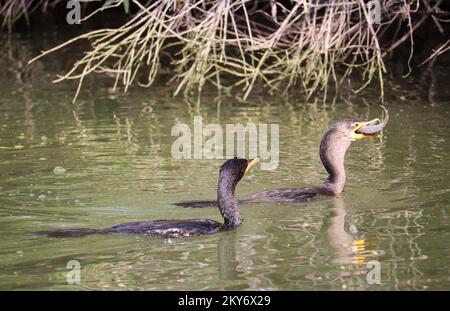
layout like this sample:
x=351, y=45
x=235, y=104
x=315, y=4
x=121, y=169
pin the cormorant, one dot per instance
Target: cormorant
x=230, y=174
x=335, y=142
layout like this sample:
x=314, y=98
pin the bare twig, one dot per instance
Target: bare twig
x=283, y=46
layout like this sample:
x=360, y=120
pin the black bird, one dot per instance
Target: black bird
x=230, y=174
x=333, y=148
x=335, y=142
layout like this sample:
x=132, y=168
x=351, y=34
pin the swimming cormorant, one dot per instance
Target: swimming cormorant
x=230, y=174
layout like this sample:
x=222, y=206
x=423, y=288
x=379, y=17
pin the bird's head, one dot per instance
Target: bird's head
x=342, y=133
x=349, y=130
x=339, y=137
x=233, y=170
x=345, y=131
x=352, y=130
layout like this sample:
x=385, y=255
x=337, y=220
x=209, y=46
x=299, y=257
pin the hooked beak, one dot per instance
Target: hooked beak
x=357, y=134
x=251, y=163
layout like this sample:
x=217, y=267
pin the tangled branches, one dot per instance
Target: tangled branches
x=237, y=43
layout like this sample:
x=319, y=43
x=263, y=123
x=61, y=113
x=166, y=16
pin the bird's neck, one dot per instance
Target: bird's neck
x=335, y=181
x=333, y=156
x=228, y=204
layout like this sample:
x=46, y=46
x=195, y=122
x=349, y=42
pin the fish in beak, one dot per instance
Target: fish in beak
x=371, y=128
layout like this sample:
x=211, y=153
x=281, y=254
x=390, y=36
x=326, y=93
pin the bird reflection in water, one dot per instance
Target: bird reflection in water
x=348, y=249
x=226, y=257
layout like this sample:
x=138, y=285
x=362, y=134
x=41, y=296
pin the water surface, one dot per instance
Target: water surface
x=116, y=150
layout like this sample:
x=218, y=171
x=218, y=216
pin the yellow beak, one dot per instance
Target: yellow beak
x=363, y=124
x=251, y=164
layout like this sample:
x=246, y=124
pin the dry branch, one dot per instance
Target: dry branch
x=282, y=44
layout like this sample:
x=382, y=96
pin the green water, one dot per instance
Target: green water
x=117, y=152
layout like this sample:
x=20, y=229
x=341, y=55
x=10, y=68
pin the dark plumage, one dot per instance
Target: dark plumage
x=230, y=174
x=333, y=147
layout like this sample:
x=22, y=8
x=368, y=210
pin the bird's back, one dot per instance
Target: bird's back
x=283, y=195
x=170, y=227
x=164, y=227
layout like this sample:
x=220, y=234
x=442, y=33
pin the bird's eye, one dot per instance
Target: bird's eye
x=356, y=124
